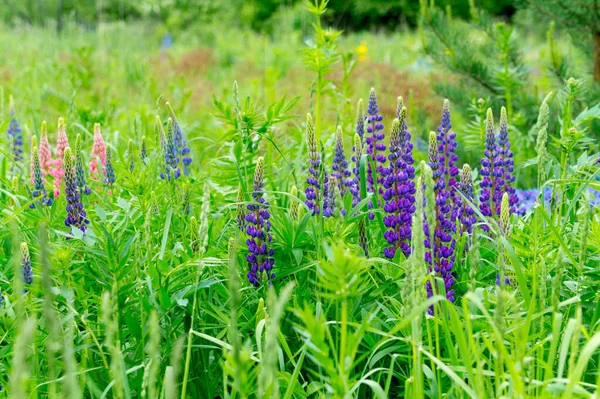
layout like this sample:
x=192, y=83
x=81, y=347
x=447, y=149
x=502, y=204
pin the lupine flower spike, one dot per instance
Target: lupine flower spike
x=61, y=144
x=508, y=162
x=358, y=152
x=360, y=120
x=363, y=239
x=399, y=190
x=505, y=231
x=109, y=175
x=15, y=136
x=375, y=145
x=491, y=171
x=446, y=149
x=340, y=164
x=46, y=161
x=293, y=203
x=144, y=150
x=34, y=144
x=131, y=155
x=467, y=213
x=313, y=197
x=76, y=216
x=260, y=254
x=79, y=170
x=441, y=252
x=98, y=150
x=241, y=210
x=170, y=151
x=180, y=142
x=39, y=191
x=27, y=272
x=328, y=198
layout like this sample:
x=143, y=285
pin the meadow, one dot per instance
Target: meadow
x=227, y=214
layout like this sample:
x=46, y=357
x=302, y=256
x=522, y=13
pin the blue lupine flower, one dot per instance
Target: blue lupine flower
x=508, y=163
x=76, y=216
x=169, y=150
x=355, y=187
x=375, y=145
x=15, y=135
x=180, y=142
x=340, y=164
x=467, y=213
x=39, y=192
x=27, y=272
x=79, y=170
x=492, y=171
x=109, y=175
x=313, y=188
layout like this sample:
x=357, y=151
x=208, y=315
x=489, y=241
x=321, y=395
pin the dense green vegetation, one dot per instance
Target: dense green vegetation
x=190, y=211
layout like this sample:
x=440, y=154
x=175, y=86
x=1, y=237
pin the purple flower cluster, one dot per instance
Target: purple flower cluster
x=358, y=152
x=260, y=254
x=170, y=151
x=340, y=164
x=328, y=195
x=466, y=212
x=79, y=170
x=15, y=135
x=492, y=171
x=109, y=170
x=399, y=189
x=441, y=254
x=508, y=163
x=26, y=271
x=446, y=151
x=314, y=167
x=180, y=143
x=375, y=145
x=39, y=192
x=76, y=216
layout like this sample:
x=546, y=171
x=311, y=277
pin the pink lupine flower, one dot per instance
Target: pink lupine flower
x=62, y=142
x=98, y=150
x=46, y=161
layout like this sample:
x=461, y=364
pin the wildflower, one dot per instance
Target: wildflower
x=131, y=155
x=180, y=142
x=15, y=135
x=27, y=273
x=293, y=203
x=328, y=195
x=170, y=151
x=143, y=151
x=313, y=188
x=39, y=192
x=46, y=161
x=340, y=165
x=240, y=210
x=98, y=150
x=491, y=171
x=61, y=144
x=31, y=165
x=467, y=213
x=360, y=120
x=507, y=162
x=109, y=174
x=375, y=145
x=355, y=187
x=505, y=231
x=446, y=151
x=260, y=254
x=441, y=251
x=399, y=190
x=76, y=216
x=79, y=171
x=362, y=51
x=363, y=239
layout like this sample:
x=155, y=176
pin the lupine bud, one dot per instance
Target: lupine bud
x=294, y=204
x=313, y=198
x=260, y=254
x=399, y=189
x=240, y=210
x=399, y=106
x=153, y=203
x=360, y=120
x=363, y=239
x=109, y=175
x=340, y=165
x=355, y=188
x=194, y=244
x=31, y=166
x=467, y=213
x=46, y=161
x=76, y=216
x=375, y=145
x=98, y=150
x=505, y=215
x=15, y=136
x=143, y=150
x=491, y=171
x=39, y=191
x=181, y=148
x=27, y=273
x=131, y=155
x=79, y=171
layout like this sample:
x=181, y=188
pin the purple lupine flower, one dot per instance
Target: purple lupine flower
x=109, y=170
x=79, y=170
x=446, y=149
x=39, y=192
x=441, y=252
x=508, y=163
x=171, y=160
x=26, y=271
x=313, y=188
x=15, y=135
x=375, y=145
x=491, y=186
x=76, y=216
x=399, y=190
x=340, y=164
x=355, y=187
x=360, y=120
x=328, y=195
x=467, y=213
x=180, y=142
x=526, y=200
x=260, y=254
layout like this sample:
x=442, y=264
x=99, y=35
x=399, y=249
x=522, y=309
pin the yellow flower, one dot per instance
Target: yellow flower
x=362, y=51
